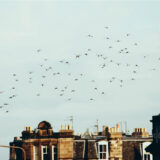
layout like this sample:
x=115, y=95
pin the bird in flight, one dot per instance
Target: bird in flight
x=38, y=94
x=38, y=50
x=90, y=35
x=134, y=72
x=78, y=55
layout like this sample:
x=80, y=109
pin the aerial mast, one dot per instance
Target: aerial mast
x=71, y=120
x=97, y=126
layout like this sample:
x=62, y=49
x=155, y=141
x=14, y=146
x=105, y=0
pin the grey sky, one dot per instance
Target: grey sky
x=60, y=29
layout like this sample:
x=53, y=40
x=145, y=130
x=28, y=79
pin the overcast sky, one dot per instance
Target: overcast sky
x=60, y=30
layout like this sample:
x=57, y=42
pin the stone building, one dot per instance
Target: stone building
x=110, y=144
x=114, y=138
x=134, y=145
x=45, y=144
x=154, y=148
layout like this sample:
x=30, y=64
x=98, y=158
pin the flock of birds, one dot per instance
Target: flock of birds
x=66, y=89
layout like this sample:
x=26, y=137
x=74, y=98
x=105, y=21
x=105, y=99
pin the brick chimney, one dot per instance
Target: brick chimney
x=140, y=132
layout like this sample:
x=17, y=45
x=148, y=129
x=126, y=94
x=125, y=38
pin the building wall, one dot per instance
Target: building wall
x=131, y=150
x=115, y=146
x=70, y=147
x=134, y=149
x=65, y=148
x=114, y=137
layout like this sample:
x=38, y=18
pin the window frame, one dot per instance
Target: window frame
x=143, y=146
x=148, y=156
x=35, y=153
x=54, y=153
x=47, y=150
x=104, y=150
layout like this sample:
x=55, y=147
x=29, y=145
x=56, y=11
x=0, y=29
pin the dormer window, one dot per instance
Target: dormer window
x=146, y=155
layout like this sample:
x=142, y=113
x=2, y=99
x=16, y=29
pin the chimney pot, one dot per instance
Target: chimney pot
x=62, y=127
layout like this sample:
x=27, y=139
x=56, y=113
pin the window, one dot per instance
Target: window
x=54, y=153
x=45, y=153
x=103, y=150
x=35, y=153
x=146, y=157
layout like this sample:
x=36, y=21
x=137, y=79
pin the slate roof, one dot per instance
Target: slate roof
x=85, y=149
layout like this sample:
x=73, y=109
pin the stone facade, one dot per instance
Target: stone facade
x=65, y=148
x=114, y=137
x=133, y=146
x=110, y=144
x=61, y=142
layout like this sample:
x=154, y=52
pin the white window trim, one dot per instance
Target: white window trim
x=34, y=151
x=103, y=143
x=42, y=150
x=53, y=152
x=144, y=145
x=148, y=155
